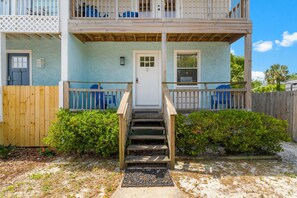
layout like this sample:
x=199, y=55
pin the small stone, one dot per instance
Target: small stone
x=117, y=169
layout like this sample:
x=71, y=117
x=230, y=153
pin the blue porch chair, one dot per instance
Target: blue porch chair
x=221, y=97
x=102, y=100
x=98, y=97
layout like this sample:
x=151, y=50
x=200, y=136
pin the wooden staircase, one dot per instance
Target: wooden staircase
x=147, y=142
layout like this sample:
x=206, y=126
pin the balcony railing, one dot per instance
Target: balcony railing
x=146, y=9
x=36, y=16
x=30, y=7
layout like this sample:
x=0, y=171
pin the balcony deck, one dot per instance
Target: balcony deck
x=26, y=16
x=197, y=21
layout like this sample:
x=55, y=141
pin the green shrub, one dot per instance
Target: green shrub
x=5, y=150
x=85, y=132
x=236, y=131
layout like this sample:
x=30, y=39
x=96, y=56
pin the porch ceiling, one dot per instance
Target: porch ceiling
x=156, y=37
x=29, y=36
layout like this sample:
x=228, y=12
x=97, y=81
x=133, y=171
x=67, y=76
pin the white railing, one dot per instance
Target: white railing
x=127, y=9
x=29, y=7
x=208, y=95
x=80, y=96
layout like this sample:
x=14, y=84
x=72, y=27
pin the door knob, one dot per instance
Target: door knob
x=136, y=80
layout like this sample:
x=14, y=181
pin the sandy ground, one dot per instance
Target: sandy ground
x=26, y=174
x=267, y=178
x=62, y=176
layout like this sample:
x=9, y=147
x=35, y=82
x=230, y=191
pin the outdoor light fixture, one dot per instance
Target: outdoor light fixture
x=40, y=62
x=122, y=60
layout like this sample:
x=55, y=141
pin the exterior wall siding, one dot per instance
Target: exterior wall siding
x=77, y=59
x=102, y=60
x=50, y=74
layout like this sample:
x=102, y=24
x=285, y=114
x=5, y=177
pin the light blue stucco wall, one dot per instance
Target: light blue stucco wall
x=50, y=74
x=102, y=60
x=77, y=59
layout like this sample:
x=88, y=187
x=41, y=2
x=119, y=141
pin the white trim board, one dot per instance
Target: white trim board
x=30, y=59
x=134, y=77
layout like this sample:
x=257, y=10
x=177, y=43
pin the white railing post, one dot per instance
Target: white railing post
x=209, y=9
x=14, y=7
x=116, y=9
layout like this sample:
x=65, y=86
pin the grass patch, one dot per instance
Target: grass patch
x=36, y=176
x=10, y=188
x=291, y=175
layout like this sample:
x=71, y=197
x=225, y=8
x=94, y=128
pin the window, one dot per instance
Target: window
x=187, y=67
x=19, y=62
x=147, y=61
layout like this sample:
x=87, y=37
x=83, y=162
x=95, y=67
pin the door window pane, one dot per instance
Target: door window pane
x=147, y=61
x=20, y=62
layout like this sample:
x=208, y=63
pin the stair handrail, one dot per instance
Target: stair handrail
x=125, y=114
x=169, y=114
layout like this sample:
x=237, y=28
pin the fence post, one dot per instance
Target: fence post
x=294, y=116
x=66, y=94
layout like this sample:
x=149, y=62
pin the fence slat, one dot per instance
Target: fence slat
x=281, y=105
x=28, y=112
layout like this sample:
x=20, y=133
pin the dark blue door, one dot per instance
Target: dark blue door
x=18, y=69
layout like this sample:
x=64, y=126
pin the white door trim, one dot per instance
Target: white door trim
x=30, y=60
x=135, y=52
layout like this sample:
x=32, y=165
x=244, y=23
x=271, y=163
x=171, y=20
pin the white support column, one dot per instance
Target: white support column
x=64, y=17
x=248, y=70
x=164, y=56
x=3, y=70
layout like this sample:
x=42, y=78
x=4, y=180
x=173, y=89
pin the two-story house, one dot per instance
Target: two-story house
x=173, y=54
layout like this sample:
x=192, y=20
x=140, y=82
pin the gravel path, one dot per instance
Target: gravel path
x=289, y=154
x=239, y=178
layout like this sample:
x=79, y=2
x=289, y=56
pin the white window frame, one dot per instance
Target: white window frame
x=198, y=66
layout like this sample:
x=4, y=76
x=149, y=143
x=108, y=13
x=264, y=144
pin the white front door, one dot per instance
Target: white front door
x=147, y=80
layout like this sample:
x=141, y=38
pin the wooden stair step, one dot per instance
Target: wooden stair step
x=147, y=159
x=147, y=147
x=147, y=128
x=147, y=137
x=148, y=120
x=147, y=110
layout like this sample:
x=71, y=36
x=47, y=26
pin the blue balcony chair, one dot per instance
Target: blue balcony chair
x=98, y=97
x=222, y=97
x=130, y=14
x=91, y=11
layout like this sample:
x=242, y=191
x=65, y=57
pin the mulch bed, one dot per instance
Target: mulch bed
x=147, y=178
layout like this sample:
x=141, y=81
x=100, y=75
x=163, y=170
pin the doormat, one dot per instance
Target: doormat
x=147, y=178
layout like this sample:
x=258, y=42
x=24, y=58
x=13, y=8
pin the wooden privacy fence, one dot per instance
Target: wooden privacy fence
x=28, y=112
x=281, y=105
